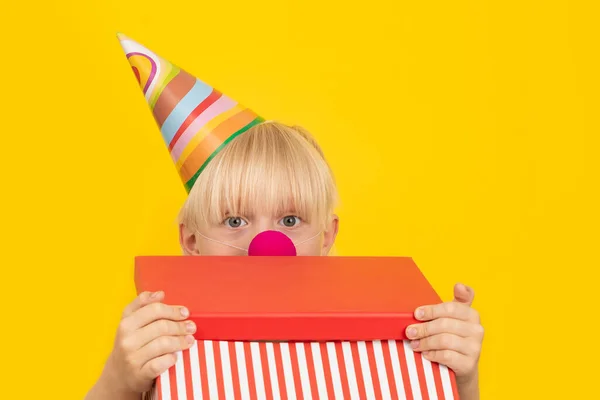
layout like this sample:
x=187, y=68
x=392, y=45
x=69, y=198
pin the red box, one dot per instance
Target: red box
x=291, y=298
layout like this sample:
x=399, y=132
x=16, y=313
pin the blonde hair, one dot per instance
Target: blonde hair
x=270, y=168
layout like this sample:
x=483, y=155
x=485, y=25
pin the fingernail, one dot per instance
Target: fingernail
x=425, y=353
x=414, y=344
x=155, y=295
x=190, y=339
x=420, y=313
x=184, y=312
x=412, y=332
x=190, y=327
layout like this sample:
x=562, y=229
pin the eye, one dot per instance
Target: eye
x=235, y=222
x=290, y=221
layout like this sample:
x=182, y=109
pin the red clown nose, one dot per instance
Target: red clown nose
x=271, y=243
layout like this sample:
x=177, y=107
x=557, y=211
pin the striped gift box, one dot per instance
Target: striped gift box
x=304, y=370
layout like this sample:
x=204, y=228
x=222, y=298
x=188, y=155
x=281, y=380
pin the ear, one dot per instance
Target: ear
x=187, y=241
x=331, y=232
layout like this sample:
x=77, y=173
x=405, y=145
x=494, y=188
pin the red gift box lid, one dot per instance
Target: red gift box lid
x=290, y=298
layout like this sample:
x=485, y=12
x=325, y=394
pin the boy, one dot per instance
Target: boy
x=249, y=176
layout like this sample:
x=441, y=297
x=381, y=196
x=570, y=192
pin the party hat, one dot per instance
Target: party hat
x=196, y=121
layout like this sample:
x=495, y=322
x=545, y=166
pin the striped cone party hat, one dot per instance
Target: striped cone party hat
x=196, y=121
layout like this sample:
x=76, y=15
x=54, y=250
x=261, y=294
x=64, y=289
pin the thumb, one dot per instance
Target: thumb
x=463, y=294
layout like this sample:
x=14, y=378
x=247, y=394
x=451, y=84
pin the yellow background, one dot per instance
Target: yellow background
x=462, y=133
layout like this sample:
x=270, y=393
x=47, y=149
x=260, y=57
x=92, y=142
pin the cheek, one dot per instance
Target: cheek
x=310, y=249
x=207, y=248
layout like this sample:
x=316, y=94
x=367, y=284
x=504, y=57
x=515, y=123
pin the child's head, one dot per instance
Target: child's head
x=272, y=177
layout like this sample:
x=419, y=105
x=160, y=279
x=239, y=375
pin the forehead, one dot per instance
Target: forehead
x=269, y=205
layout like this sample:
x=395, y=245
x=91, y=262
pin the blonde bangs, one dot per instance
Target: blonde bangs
x=271, y=169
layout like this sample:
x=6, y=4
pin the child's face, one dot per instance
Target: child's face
x=238, y=231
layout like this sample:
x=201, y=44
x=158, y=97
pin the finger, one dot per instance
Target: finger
x=457, y=362
x=446, y=341
x=164, y=327
x=164, y=345
x=142, y=300
x=450, y=309
x=154, y=312
x=464, y=294
x=443, y=325
x=155, y=367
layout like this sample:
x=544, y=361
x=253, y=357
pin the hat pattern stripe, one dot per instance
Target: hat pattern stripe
x=189, y=184
x=194, y=115
x=206, y=130
x=219, y=107
x=149, y=64
x=180, y=85
x=169, y=72
x=184, y=108
x=211, y=142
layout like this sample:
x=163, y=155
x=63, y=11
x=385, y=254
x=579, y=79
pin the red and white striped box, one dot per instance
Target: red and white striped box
x=278, y=328
x=304, y=370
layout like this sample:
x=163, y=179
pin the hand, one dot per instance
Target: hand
x=453, y=335
x=149, y=335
